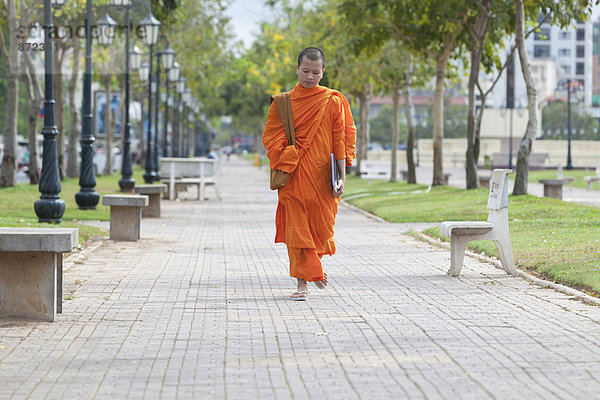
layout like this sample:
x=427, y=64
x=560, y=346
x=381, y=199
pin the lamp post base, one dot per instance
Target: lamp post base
x=150, y=177
x=49, y=210
x=87, y=199
x=127, y=184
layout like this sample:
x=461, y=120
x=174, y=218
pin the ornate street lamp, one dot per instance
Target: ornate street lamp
x=144, y=71
x=150, y=26
x=168, y=58
x=106, y=30
x=49, y=208
x=135, y=58
x=127, y=182
x=87, y=198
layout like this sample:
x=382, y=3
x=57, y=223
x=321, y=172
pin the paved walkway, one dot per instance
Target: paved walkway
x=197, y=309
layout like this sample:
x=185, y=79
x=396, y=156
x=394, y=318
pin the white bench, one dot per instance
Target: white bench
x=376, y=169
x=183, y=172
x=495, y=229
x=566, y=179
x=591, y=179
x=125, y=215
x=31, y=261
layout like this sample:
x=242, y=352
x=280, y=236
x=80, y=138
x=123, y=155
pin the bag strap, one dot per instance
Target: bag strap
x=283, y=103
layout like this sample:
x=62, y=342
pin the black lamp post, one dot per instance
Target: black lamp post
x=156, y=111
x=87, y=198
x=173, y=76
x=127, y=182
x=180, y=89
x=578, y=94
x=187, y=100
x=144, y=72
x=49, y=208
x=167, y=57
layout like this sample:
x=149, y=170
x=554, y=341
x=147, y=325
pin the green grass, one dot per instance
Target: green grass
x=535, y=176
x=16, y=204
x=551, y=238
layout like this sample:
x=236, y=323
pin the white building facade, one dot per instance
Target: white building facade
x=555, y=55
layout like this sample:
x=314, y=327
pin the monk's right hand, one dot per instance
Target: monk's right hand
x=338, y=190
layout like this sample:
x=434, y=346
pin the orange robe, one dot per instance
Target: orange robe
x=306, y=209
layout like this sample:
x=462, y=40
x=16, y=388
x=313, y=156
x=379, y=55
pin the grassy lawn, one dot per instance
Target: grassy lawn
x=535, y=176
x=16, y=204
x=550, y=238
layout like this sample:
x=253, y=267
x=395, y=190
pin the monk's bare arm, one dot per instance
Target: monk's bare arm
x=338, y=190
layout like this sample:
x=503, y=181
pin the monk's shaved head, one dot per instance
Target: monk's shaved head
x=313, y=54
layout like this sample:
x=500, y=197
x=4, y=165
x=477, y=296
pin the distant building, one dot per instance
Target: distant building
x=555, y=55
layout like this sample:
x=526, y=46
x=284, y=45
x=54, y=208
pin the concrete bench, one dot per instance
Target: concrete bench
x=176, y=170
x=590, y=181
x=183, y=184
x=125, y=215
x=484, y=181
x=31, y=261
x=495, y=228
x=553, y=188
x=447, y=176
x=153, y=192
x=566, y=179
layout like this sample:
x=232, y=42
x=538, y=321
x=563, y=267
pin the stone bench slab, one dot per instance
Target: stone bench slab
x=125, y=215
x=150, y=189
x=123, y=200
x=31, y=270
x=153, y=192
x=53, y=240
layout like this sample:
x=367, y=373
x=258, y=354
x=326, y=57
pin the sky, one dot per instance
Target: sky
x=246, y=16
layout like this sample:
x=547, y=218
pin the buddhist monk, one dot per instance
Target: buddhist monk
x=308, y=203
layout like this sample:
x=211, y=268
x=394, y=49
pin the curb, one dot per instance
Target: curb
x=578, y=295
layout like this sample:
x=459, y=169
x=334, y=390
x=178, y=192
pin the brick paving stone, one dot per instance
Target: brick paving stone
x=198, y=309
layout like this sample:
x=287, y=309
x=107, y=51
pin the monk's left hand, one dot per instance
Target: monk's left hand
x=338, y=190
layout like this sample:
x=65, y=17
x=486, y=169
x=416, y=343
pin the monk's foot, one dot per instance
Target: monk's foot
x=321, y=284
x=299, y=296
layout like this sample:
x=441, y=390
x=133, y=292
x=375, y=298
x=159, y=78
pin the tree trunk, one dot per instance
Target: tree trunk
x=8, y=167
x=478, y=33
x=35, y=98
x=364, y=100
x=438, y=110
x=108, y=127
x=396, y=97
x=409, y=112
x=73, y=158
x=532, y=124
x=59, y=105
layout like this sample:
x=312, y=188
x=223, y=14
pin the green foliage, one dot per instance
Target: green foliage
x=455, y=123
x=554, y=122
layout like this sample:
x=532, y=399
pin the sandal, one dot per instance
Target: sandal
x=299, y=296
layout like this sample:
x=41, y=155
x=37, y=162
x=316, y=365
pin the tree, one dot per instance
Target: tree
x=36, y=97
x=560, y=12
x=8, y=167
x=430, y=27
